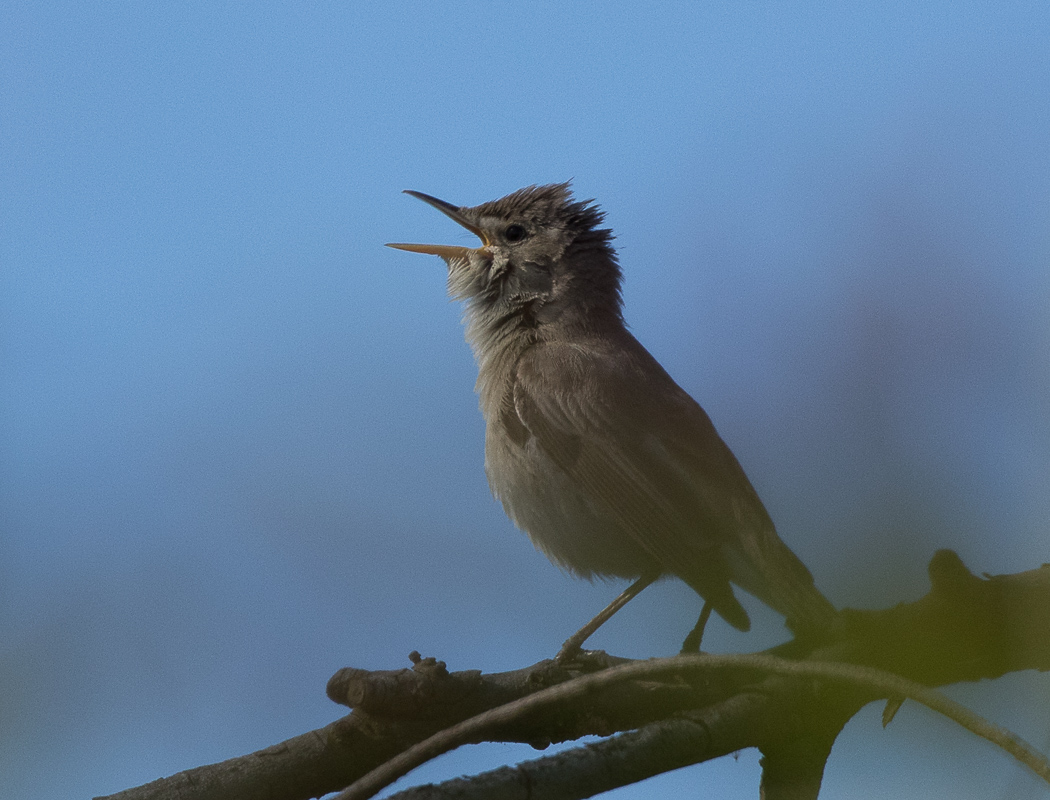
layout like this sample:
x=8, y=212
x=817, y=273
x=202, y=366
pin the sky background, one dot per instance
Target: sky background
x=239, y=446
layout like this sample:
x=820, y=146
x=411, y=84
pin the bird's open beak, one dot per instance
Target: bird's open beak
x=446, y=251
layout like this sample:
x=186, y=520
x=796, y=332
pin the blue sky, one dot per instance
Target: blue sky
x=239, y=446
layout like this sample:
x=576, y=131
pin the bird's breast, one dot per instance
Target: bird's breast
x=543, y=500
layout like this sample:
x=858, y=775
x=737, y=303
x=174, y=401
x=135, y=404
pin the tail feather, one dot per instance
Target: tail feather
x=770, y=571
x=722, y=600
x=729, y=609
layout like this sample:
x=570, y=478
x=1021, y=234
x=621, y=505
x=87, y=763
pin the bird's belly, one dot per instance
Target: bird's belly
x=561, y=521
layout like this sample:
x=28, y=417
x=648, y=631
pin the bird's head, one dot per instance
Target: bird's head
x=542, y=258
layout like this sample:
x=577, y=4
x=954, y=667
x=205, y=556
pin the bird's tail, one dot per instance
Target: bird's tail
x=729, y=609
x=767, y=568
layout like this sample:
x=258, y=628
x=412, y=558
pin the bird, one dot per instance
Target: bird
x=596, y=453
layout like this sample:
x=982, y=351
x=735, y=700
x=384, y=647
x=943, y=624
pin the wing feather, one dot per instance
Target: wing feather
x=647, y=456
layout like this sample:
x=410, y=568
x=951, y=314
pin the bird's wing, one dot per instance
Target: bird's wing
x=641, y=450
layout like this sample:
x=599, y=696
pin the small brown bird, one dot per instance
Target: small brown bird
x=594, y=451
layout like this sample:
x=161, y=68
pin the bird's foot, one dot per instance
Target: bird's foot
x=691, y=645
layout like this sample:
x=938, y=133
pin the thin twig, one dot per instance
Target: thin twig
x=887, y=684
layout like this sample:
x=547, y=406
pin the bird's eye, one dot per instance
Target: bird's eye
x=515, y=233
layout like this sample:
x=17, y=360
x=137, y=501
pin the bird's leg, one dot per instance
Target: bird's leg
x=696, y=635
x=575, y=642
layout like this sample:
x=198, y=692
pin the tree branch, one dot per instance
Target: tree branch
x=966, y=628
x=691, y=668
x=613, y=762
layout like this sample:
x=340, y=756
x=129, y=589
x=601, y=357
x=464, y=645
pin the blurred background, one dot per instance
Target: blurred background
x=239, y=446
